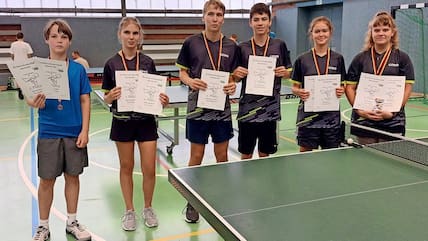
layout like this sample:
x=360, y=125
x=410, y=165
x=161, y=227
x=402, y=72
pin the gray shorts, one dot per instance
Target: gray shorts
x=60, y=155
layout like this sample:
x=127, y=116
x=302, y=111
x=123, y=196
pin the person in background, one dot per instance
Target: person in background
x=380, y=56
x=19, y=51
x=258, y=115
x=318, y=129
x=234, y=38
x=128, y=128
x=63, y=135
x=207, y=50
x=79, y=59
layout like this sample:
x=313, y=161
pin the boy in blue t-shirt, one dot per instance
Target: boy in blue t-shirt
x=63, y=135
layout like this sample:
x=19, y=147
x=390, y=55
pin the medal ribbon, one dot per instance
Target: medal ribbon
x=210, y=53
x=314, y=56
x=253, y=46
x=383, y=62
x=137, y=64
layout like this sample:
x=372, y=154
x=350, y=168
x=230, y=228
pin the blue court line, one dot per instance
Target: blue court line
x=34, y=207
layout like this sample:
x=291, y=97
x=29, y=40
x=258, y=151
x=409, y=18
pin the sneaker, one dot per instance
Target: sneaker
x=149, y=216
x=192, y=216
x=128, y=221
x=20, y=95
x=42, y=234
x=78, y=231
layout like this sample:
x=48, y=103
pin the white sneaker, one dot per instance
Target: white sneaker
x=42, y=234
x=150, y=219
x=78, y=231
x=128, y=221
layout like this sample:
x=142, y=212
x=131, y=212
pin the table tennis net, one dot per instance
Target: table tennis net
x=415, y=150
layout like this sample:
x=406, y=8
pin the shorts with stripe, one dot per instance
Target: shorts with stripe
x=263, y=132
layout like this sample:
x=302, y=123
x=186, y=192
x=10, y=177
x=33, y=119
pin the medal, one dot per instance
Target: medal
x=60, y=106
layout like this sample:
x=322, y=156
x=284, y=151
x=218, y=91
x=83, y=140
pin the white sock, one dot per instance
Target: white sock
x=44, y=223
x=71, y=217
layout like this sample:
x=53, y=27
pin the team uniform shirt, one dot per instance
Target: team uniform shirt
x=109, y=81
x=55, y=123
x=398, y=64
x=305, y=66
x=194, y=57
x=259, y=108
x=20, y=50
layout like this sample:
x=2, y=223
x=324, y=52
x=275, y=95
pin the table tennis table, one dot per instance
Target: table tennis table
x=171, y=71
x=344, y=194
x=178, y=98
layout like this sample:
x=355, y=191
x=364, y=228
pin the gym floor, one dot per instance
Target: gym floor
x=101, y=205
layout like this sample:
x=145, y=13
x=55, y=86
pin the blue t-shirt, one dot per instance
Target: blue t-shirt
x=55, y=123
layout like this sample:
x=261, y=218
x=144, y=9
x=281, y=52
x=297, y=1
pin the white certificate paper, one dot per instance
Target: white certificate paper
x=128, y=81
x=140, y=92
x=322, y=92
x=213, y=97
x=38, y=75
x=26, y=74
x=148, y=90
x=55, y=76
x=261, y=75
x=380, y=92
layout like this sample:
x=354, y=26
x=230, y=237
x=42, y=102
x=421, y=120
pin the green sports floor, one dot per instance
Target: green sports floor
x=101, y=206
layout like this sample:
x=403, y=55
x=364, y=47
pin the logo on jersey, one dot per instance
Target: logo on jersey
x=224, y=55
x=332, y=68
x=393, y=65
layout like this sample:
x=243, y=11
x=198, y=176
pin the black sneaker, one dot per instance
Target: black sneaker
x=192, y=216
x=20, y=95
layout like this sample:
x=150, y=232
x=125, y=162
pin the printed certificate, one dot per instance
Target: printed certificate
x=39, y=75
x=140, y=92
x=128, y=80
x=380, y=92
x=55, y=78
x=261, y=75
x=148, y=90
x=213, y=97
x=322, y=92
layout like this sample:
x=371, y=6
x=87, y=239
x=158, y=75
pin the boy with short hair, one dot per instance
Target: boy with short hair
x=258, y=115
x=63, y=135
x=207, y=50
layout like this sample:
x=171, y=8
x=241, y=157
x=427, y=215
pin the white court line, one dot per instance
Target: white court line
x=32, y=188
x=329, y=198
x=113, y=168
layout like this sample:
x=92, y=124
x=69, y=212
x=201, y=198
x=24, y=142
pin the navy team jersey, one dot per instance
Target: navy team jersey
x=259, y=108
x=305, y=66
x=194, y=57
x=399, y=64
x=109, y=80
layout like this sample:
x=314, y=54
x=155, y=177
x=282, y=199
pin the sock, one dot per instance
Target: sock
x=44, y=223
x=71, y=217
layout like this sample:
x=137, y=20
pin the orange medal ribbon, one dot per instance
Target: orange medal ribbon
x=383, y=62
x=253, y=46
x=314, y=56
x=137, y=64
x=210, y=53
